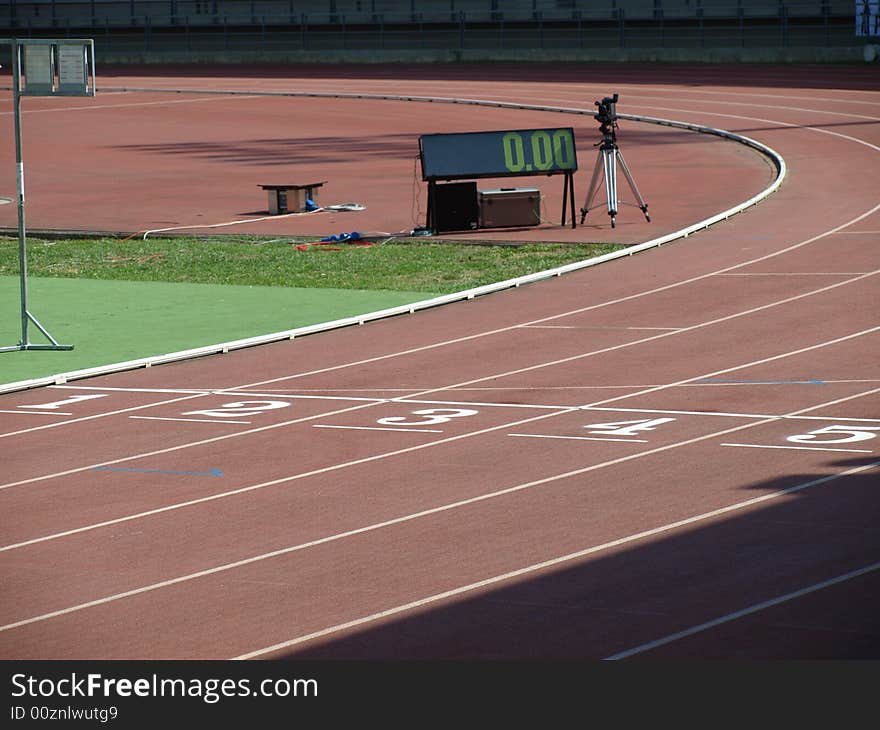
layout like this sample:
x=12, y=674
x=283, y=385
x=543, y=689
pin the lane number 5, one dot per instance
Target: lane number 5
x=836, y=434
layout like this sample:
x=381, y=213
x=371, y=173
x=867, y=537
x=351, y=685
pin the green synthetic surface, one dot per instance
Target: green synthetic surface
x=117, y=300
x=115, y=321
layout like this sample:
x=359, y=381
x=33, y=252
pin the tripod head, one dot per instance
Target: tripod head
x=607, y=118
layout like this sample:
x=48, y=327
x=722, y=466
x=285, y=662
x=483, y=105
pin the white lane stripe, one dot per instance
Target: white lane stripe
x=38, y=413
x=512, y=372
x=557, y=316
x=477, y=403
x=297, y=396
x=187, y=420
x=420, y=603
x=586, y=327
x=104, y=107
x=263, y=485
x=190, y=444
x=219, y=392
x=744, y=612
x=801, y=448
x=375, y=457
x=780, y=124
x=179, y=391
x=632, y=343
x=733, y=415
x=575, y=438
x=378, y=428
x=437, y=510
x=520, y=371
x=100, y=415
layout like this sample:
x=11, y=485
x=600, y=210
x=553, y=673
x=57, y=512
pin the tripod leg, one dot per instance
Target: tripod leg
x=611, y=183
x=632, y=183
x=591, y=191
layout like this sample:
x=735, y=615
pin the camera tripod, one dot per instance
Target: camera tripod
x=606, y=162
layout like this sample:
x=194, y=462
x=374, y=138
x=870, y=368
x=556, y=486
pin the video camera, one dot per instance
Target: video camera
x=607, y=114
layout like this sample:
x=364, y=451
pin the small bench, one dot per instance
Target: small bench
x=291, y=198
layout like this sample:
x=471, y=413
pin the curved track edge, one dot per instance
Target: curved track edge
x=224, y=347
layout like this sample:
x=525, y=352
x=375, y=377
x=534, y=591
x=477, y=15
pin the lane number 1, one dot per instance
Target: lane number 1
x=67, y=401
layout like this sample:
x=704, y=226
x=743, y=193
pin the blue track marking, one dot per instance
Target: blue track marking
x=211, y=473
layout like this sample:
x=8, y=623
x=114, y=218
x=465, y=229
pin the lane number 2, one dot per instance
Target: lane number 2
x=240, y=408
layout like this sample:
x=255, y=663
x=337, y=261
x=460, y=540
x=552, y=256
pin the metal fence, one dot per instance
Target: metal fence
x=209, y=26
x=158, y=13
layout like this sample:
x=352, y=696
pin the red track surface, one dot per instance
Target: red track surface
x=438, y=486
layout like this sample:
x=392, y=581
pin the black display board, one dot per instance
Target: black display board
x=515, y=152
x=503, y=153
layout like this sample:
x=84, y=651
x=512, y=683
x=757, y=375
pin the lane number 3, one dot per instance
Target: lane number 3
x=432, y=417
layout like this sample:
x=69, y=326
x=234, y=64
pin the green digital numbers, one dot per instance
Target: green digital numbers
x=541, y=150
x=462, y=155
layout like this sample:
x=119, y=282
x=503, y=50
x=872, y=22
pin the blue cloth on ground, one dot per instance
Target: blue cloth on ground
x=353, y=236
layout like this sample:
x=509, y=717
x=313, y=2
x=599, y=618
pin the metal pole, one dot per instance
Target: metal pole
x=26, y=316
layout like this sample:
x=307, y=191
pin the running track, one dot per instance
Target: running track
x=672, y=455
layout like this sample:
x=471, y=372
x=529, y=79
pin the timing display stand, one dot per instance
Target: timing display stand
x=506, y=153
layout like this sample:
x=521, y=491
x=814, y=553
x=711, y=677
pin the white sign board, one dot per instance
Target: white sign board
x=63, y=67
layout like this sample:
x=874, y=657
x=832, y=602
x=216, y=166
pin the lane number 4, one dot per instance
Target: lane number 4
x=627, y=428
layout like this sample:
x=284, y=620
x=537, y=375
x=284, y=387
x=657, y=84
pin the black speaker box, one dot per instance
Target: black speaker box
x=456, y=207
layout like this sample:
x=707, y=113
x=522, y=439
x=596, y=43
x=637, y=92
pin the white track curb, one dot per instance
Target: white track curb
x=775, y=157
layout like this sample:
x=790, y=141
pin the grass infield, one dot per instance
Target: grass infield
x=115, y=299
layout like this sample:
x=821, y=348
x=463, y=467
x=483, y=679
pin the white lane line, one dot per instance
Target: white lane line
x=218, y=392
x=100, y=107
x=552, y=563
x=586, y=327
x=433, y=511
x=100, y=415
x=580, y=310
x=780, y=124
x=744, y=612
x=630, y=386
x=575, y=438
x=458, y=385
x=732, y=415
x=801, y=448
x=202, y=442
x=187, y=420
x=624, y=345
x=800, y=273
x=179, y=391
x=38, y=413
x=378, y=428
x=292, y=396
x=476, y=403
x=389, y=454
